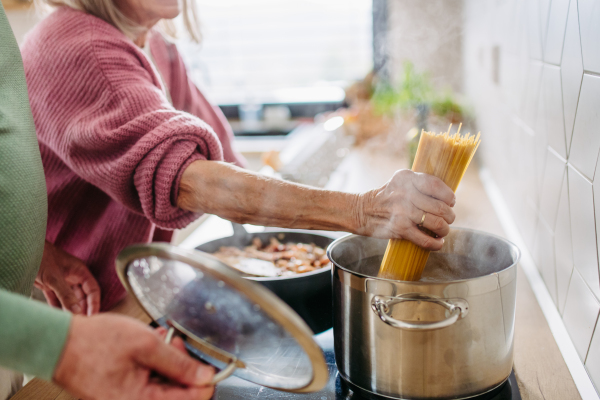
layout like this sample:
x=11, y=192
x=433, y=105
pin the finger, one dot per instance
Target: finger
x=173, y=364
x=176, y=342
x=156, y=391
x=436, y=225
x=51, y=298
x=90, y=287
x=179, y=344
x=65, y=295
x=432, y=222
x=434, y=187
x=423, y=240
x=433, y=206
x=80, y=297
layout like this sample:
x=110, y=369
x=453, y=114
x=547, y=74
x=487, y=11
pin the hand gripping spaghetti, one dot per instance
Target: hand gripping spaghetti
x=447, y=157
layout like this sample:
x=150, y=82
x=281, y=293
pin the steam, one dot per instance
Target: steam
x=466, y=255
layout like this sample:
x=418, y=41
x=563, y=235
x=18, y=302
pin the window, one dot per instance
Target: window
x=280, y=51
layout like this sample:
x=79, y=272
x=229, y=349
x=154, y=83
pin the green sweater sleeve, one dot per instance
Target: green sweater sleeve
x=32, y=335
x=23, y=199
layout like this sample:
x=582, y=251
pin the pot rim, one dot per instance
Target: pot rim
x=420, y=283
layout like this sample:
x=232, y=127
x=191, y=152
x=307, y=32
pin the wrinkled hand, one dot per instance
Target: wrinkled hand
x=67, y=282
x=114, y=357
x=395, y=209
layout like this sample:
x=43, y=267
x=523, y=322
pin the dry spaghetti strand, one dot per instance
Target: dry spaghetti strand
x=447, y=157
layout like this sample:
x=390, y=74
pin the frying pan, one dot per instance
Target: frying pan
x=309, y=294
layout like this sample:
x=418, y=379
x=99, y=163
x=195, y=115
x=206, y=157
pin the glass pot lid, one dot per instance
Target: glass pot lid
x=230, y=322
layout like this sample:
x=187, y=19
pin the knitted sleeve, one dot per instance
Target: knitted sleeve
x=104, y=113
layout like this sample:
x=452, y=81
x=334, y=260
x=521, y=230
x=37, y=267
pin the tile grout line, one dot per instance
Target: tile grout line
x=557, y=327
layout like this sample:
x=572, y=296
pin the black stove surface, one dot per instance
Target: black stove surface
x=336, y=389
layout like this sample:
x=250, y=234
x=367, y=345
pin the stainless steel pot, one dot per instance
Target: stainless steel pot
x=415, y=340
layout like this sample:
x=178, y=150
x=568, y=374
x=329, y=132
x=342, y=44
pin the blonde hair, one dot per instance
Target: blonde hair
x=108, y=11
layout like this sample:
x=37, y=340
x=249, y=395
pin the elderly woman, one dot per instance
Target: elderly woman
x=129, y=144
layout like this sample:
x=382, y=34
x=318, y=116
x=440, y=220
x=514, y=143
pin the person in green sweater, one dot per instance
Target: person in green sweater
x=99, y=357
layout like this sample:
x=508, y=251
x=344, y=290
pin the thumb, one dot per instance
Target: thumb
x=176, y=365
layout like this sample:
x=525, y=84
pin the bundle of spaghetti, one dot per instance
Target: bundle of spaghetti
x=447, y=157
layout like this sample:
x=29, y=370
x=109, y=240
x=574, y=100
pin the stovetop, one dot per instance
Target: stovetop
x=336, y=389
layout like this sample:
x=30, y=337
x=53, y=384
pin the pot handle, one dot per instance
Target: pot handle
x=457, y=308
x=223, y=374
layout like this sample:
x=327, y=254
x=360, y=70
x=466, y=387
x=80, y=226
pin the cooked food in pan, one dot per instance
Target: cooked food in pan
x=274, y=258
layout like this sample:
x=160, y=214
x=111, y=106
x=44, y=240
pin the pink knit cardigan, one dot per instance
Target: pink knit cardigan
x=112, y=146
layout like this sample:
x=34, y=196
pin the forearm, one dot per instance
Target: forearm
x=32, y=335
x=247, y=197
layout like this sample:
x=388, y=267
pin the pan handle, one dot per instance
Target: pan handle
x=222, y=375
x=457, y=308
x=239, y=230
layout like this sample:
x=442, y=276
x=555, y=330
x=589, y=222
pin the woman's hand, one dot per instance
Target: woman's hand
x=113, y=357
x=406, y=201
x=67, y=282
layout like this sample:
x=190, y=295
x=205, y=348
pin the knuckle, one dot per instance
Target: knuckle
x=403, y=175
x=438, y=185
x=148, y=343
x=440, y=208
x=451, y=217
x=439, y=223
x=405, y=224
x=184, y=365
x=430, y=243
x=426, y=242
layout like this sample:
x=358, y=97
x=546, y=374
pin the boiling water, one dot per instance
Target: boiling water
x=440, y=267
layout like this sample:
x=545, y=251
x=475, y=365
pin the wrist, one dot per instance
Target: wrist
x=68, y=359
x=363, y=210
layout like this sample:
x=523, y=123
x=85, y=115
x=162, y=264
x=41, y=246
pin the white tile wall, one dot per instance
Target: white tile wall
x=596, y=185
x=562, y=246
x=541, y=140
x=540, y=148
x=586, y=139
x=544, y=257
x=589, y=15
x=592, y=362
x=551, y=116
x=583, y=228
x=550, y=194
x=535, y=21
x=571, y=70
x=580, y=315
x=556, y=31
x=531, y=92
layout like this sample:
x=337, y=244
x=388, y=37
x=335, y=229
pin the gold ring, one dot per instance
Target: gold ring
x=422, y=219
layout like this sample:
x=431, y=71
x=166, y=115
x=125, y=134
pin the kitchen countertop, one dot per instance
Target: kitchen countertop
x=540, y=370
